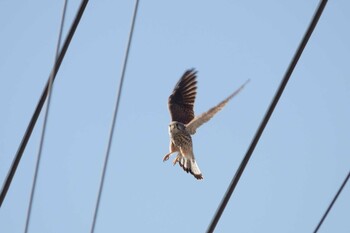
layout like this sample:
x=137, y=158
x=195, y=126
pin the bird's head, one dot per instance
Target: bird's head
x=175, y=126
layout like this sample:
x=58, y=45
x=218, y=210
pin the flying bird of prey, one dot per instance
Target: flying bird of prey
x=184, y=123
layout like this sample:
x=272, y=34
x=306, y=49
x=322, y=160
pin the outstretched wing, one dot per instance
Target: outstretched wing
x=182, y=99
x=205, y=117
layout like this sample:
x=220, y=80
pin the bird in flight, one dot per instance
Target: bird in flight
x=184, y=123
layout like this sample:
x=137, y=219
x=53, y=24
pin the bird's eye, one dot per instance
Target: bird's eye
x=179, y=126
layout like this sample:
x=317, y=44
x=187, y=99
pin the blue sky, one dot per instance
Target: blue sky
x=299, y=163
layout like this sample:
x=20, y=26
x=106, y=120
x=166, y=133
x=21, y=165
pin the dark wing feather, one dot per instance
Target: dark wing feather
x=182, y=99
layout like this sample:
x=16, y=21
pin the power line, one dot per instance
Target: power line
x=266, y=118
x=115, y=113
x=332, y=203
x=40, y=104
x=49, y=93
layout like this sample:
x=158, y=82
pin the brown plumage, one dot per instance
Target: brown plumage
x=182, y=99
x=184, y=123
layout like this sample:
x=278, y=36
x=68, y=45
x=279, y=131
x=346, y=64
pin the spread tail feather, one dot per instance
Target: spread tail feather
x=190, y=165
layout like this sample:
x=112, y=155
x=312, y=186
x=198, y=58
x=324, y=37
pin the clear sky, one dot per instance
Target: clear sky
x=298, y=165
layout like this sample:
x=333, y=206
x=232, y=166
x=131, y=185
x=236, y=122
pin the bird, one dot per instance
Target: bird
x=184, y=123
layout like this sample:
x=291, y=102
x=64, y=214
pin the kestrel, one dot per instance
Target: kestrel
x=184, y=123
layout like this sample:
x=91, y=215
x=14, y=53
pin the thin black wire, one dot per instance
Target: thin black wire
x=332, y=203
x=29, y=213
x=111, y=133
x=266, y=118
x=31, y=125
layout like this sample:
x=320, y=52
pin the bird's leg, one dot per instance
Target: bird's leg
x=176, y=160
x=172, y=149
x=166, y=157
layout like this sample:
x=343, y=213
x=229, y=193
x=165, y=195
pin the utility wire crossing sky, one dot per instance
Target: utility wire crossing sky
x=297, y=165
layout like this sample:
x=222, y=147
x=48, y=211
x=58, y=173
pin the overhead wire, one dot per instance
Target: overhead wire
x=332, y=203
x=266, y=118
x=35, y=116
x=115, y=113
x=43, y=132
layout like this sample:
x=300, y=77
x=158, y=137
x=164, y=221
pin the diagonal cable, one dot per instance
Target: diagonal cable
x=49, y=93
x=266, y=118
x=31, y=125
x=332, y=203
x=115, y=113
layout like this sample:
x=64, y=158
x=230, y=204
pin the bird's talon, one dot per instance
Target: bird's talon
x=165, y=158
